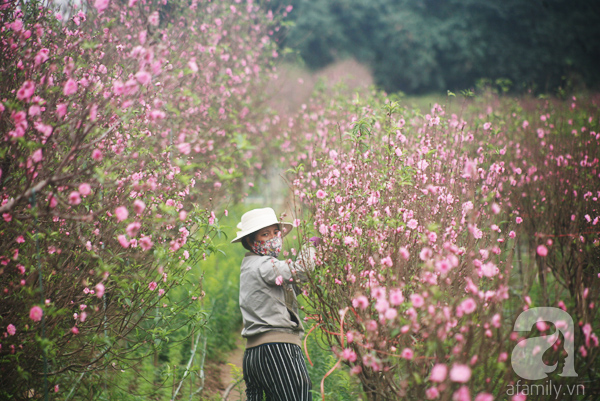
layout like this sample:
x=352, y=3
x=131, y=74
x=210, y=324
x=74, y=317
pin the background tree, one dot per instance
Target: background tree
x=433, y=45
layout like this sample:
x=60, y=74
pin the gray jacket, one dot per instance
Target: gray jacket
x=269, y=309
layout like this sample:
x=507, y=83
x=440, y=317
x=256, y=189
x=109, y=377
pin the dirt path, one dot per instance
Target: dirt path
x=229, y=374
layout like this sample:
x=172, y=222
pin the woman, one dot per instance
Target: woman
x=273, y=361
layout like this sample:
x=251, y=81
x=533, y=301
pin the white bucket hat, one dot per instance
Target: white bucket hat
x=257, y=219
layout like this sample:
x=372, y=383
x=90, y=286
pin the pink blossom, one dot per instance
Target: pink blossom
x=154, y=18
x=321, y=194
x=123, y=241
x=53, y=200
x=193, y=65
x=349, y=355
x=371, y=325
x=36, y=313
x=390, y=314
x=489, y=269
x=75, y=330
x=487, y=126
x=70, y=87
x=407, y=353
x=460, y=373
x=41, y=56
x=468, y=305
x=279, y=280
x=184, y=148
x=404, y=253
x=34, y=110
x=138, y=206
x=412, y=224
x=133, y=228
x=74, y=198
x=19, y=118
x=182, y=215
x=484, y=397
x=470, y=169
x=146, y=243
x=443, y=266
x=432, y=393
x=438, y=373
x=425, y=254
x=11, y=329
x=143, y=77
x=382, y=305
x=26, y=90
x=121, y=213
x=360, y=302
x=131, y=87
x=157, y=115
x=61, y=110
x=477, y=233
x=118, y=87
x=44, y=129
x=97, y=154
x=152, y=286
x=17, y=25
x=417, y=300
x=519, y=220
x=542, y=251
x=99, y=290
x=396, y=297
x=462, y=394
x=85, y=189
x=37, y=156
x=101, y=5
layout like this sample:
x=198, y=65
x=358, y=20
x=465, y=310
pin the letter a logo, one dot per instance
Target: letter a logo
x=527, y=355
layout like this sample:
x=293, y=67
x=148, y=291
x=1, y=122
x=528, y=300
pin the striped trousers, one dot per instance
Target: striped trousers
x=278, y=370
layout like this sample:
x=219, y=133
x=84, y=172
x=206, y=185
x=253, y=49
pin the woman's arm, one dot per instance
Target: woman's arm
x=276, y=272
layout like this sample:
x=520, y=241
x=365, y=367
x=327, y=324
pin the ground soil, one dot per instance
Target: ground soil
x=213, y=386
x=229, y=377
x=220, y=375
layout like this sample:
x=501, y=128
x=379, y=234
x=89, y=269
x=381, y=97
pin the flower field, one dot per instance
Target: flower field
x=130, y=128
x=439, y=229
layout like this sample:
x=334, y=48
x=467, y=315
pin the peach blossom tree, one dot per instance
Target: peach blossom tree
x=423, y=216
x=123, y=127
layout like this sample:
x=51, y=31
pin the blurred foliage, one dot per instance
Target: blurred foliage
x=419, y=46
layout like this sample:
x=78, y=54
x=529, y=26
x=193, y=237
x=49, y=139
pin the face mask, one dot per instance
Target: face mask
x=270, y=247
